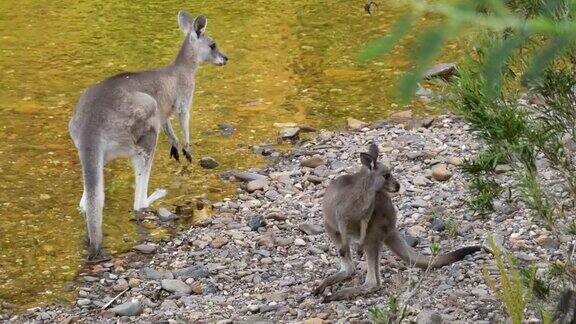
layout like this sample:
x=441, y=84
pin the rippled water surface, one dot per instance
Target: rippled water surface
x=290, y=61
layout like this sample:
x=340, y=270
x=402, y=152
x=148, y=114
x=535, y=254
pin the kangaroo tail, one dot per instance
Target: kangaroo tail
x=92, y=159
x=411, y=256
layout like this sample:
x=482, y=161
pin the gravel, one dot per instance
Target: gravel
x=261, y=255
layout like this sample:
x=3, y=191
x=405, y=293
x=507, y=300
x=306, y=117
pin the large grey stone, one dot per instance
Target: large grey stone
x=176, y=286
x=132, y=308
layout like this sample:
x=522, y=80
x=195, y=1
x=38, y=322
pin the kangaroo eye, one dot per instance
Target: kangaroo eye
x=213, y=46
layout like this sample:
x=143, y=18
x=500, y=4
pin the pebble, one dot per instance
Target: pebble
x=455, y=161
x=256, y=185
x=429, y=317
x=219, y=242
x=208, y=162
x=146, y=248
x=312, y=162
x=299, y=242
x=311, y=229
x=83, y=302
x=355, y=123
x=226, y=129
x=194, y=272
x=502, y=168
x=165, y=215
x=176, y=286
x=240, y=270
x=420, y=181
x=256, y=222
x=127, y=309
x=440, y=172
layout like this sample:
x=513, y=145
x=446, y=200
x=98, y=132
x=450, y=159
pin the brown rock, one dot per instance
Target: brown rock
x=455, y=161
x=402, y=117
x=146, y=248
x=355, y=123
x=440, y=172
x=197, y=288
x=219, y=242
x=256, y=185
x=312, y=162
x=502, y=168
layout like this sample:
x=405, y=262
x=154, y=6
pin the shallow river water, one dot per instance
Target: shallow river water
x=290, y=61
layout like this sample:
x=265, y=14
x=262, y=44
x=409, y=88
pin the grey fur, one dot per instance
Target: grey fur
x=122, y=117
x=346, y=201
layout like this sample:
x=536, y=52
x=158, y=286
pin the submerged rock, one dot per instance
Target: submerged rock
x=226, y=129
x=442, y=70
x=208, y=163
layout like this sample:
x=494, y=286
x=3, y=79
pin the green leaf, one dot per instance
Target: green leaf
x=429, y=46
x=385, y=44
x=493, y=67
x=543, y=58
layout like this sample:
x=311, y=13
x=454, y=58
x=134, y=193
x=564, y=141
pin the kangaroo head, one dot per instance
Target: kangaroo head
x=202, y=48
x=384, y=178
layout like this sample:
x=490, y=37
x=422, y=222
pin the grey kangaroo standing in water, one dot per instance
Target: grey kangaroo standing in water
x=122, y=117
x=348, y=194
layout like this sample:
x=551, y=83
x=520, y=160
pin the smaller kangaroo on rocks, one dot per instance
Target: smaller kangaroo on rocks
x=346, y=201
x=122, y=117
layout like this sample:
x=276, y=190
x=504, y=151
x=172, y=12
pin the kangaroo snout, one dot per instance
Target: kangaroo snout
x=223, y=60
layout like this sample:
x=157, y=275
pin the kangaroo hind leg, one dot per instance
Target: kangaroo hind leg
x=347, y=267
x=372, y=282
x=142, y=164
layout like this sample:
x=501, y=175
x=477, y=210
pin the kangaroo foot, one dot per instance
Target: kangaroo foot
x=160, y=193
x=174, y=153
x=98, y=257
x=187, y=154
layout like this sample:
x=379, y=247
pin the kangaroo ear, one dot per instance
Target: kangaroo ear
x=200, y=24
x=373, y=151
x=367, y=160
x=184, y=21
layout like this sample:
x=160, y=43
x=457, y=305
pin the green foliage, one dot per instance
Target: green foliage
x=485, y=161
x=385, y=315
x=435, y=248
x=557, y=269
x=519, y=20
x=540, y=288
x=482, y=192
x=537, y=200
x=510, y=288
x=452, y=227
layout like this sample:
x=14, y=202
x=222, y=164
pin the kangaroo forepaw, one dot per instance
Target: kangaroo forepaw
x=174, y=153
x=187, y=154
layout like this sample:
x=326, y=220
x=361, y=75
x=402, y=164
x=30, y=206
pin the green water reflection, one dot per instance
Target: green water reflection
x=290, y=61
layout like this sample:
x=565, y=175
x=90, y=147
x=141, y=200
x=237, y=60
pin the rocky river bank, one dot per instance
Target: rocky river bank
x=260, y=256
